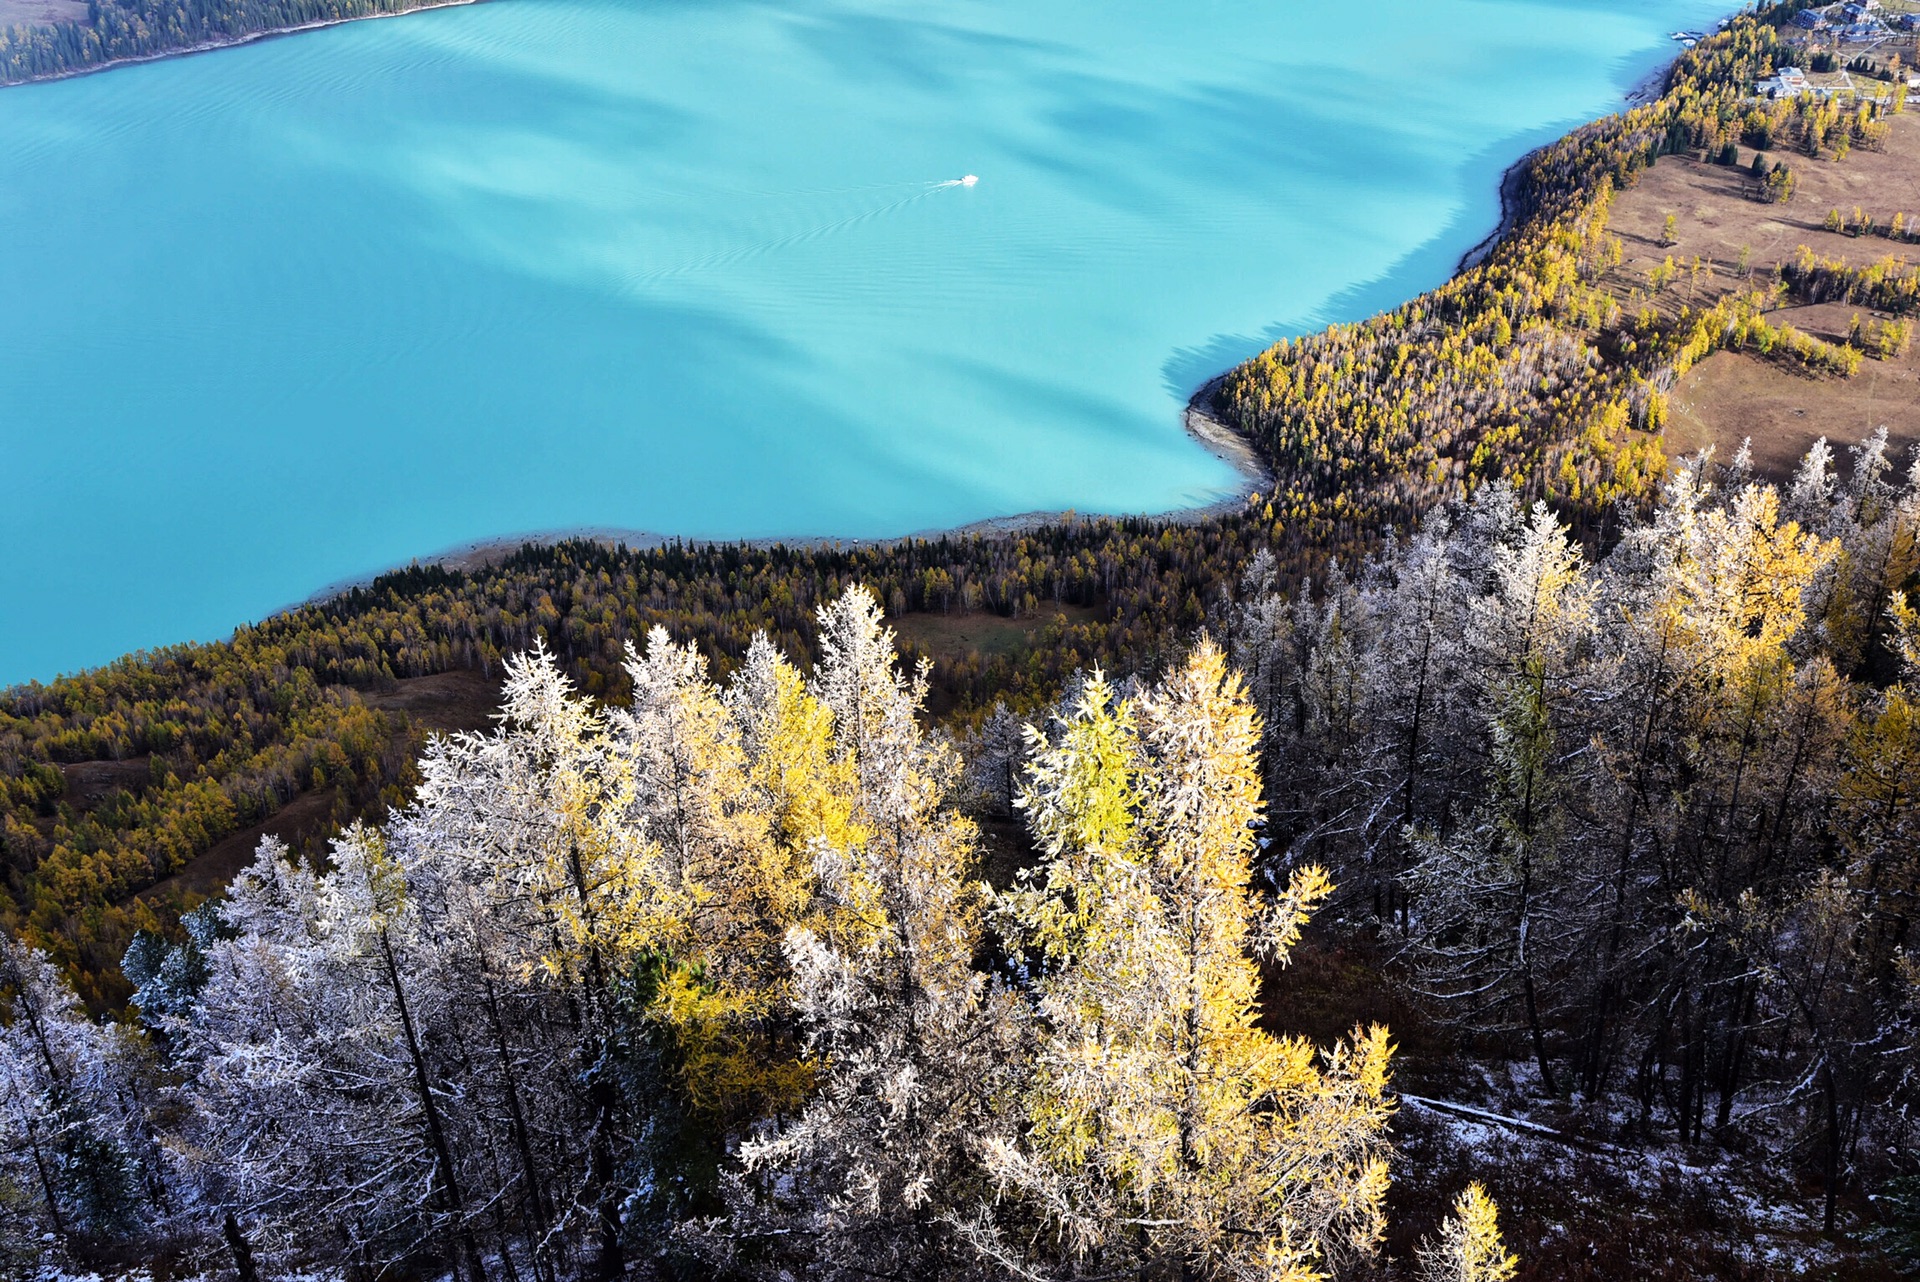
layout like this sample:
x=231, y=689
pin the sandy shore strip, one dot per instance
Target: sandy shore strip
x=1513, y=185
x=1514, y=180
x=1216, y=437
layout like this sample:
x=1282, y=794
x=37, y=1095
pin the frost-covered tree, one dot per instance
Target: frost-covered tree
x=609, y=875
x=166, y=977
x=703, y=983
x=1468, y=1248
x=801, y=780
x=1630, y=784
x=72, y=1129
x=319, y=1050
x=1483, y=917
x=996, y=761
x=1164, y=1128
x=911, y=1041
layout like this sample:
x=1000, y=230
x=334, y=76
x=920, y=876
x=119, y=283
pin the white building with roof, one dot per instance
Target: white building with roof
x=1784, y=83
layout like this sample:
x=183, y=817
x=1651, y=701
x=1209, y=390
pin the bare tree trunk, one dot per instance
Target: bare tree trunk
x=242, y=1253
x=1689, y=1055
x=1533, y=1013
x=1529, y=799
x=1832, y=1173
x=1736, y=1056
x=540, y=1213
x=610, y=1260
x=1596, y=1056
x=46, y=1181
x=446, y=1177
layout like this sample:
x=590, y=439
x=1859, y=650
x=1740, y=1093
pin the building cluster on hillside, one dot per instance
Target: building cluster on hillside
x=1823, y=36
x=1790, y=82
x=1855, y=21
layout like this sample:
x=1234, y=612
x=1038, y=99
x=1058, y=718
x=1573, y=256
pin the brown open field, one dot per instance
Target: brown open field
x=952, y=636
x=91, y=782
x=444, y=702
x=29, y=13
x=305, y=821
x=1716, y=215
x=1734, y=396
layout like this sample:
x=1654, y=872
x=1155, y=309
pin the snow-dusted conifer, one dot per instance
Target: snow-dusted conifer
x=69, y=1126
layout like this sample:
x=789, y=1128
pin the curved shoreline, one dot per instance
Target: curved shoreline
x=1513, y=182
x=1197, y=418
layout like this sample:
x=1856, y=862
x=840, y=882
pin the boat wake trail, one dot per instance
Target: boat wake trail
x=713, y=262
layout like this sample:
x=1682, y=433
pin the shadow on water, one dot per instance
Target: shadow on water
x=916, y=53
x=1117, y=142
x=1422, y=269
x=1436, y=260
x=1099, y=131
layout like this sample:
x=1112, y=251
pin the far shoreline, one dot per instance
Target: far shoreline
x=214, y=46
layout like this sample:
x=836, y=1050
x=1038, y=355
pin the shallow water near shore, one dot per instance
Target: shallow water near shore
x=284, y=314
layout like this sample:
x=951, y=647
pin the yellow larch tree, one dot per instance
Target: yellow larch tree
x=1166, y=1128
x=1469, y=1248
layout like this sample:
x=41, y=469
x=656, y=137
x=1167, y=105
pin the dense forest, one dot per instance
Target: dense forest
x=228, y=733
x=1606, y=765
x=1521, y=370
x=698, y=985
x=709, y=983
x=1651, y=821
x=1528, y=368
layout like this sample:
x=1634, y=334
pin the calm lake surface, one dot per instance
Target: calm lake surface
x=294, y=312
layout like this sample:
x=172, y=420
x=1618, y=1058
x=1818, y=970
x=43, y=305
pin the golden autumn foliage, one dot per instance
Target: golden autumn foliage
x=1166, y=1125
x=1469, y=1247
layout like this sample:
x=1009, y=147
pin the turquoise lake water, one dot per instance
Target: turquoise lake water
x=290, y=313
